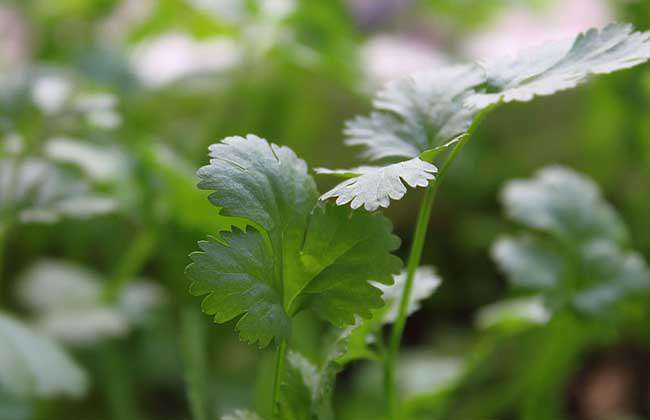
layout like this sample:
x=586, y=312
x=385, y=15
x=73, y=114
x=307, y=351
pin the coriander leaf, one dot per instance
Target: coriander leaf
x=559, y=65
x=563, y=203
x=308, y=390
x=35, y=190
x=341, y=251
x=614, y=273
x=416, y=114
x=32, y=365
x=241, y=415
x=374, y=187
x=296, y=255
x=66, y=300
x=425, y=282
x=239, y=279
x=528, y=262
x=521, y=311
x=364, y=334
x=583, y=263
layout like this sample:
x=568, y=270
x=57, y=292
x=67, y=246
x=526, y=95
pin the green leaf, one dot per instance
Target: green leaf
x=308, y=390
x=238, y=277
x=374, y=187
x=561, y=65
x=364, y=334
x=416, y=114
x=528, y=262
x=32, y=365
x=308, y=387
x=296, y=257
x=563, y=203
x=614, y=273
x=583, y=263
x=35, y=190
x=241, y=415
x=513, y=312
x=66, y=301
x=425, y=283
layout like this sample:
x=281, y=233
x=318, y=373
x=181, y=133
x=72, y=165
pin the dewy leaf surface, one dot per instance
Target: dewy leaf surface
x=374, y=187
x=561, y=65
x=416, y=114
x=295, y=256
x=564, y=203
x=32, y=366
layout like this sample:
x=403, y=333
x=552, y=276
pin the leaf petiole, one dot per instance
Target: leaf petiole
x=390, y=361
x=280, y=361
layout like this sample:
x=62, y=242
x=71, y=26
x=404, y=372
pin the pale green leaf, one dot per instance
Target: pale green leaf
x=297, y=257
x=528, y=262
x=528, y=311
x=32, y=365
x=241, y=415
x=66, y=301
x=416, y=114
x=562, y=65
x=307, y=390
x=425, y=282
x=35, y=190
x=560, y=201
x=374, y=187
x=613, y=273
x=364, y=334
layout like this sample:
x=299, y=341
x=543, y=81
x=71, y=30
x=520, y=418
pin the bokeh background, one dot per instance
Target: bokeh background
x=126, y=95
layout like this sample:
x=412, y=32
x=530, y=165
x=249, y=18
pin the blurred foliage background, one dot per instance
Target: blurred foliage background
x=126, y=95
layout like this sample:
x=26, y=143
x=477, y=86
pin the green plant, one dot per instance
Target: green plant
x=416, y=119
x=290, y=253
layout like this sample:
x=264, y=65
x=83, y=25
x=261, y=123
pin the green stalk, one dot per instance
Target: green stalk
x=119, y=390
x=194, y=355
x=419, y=236
x=4, y=233
x=131, y=263
x=281, y=356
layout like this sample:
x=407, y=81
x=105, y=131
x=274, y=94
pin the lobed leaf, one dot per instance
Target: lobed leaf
x=296, y=255
x=32, y=365
x=582, y=263
x=35, y=190
x=374, y=187
x=66, y=300
x=528, y=262
x=562, y=65
x=563, y=203
x=416, y=114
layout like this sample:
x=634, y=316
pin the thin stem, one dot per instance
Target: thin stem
x=130, y=264
x=118, y=388
x=194, y=358
x=4, y=233
x=419, y=236
x=281, y=356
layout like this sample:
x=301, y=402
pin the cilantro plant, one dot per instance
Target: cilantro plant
x=287, y=253
x=424, y=121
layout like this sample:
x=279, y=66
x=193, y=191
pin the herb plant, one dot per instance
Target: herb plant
x=417, y=118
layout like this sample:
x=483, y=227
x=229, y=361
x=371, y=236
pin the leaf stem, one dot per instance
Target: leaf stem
x=118, y=387
x=4, y=234
x=130, y=264
x=281, y=356
x=419, y=236
x=194, y=359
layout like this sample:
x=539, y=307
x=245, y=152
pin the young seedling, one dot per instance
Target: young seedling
x=417, y=118
x=293, y=254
